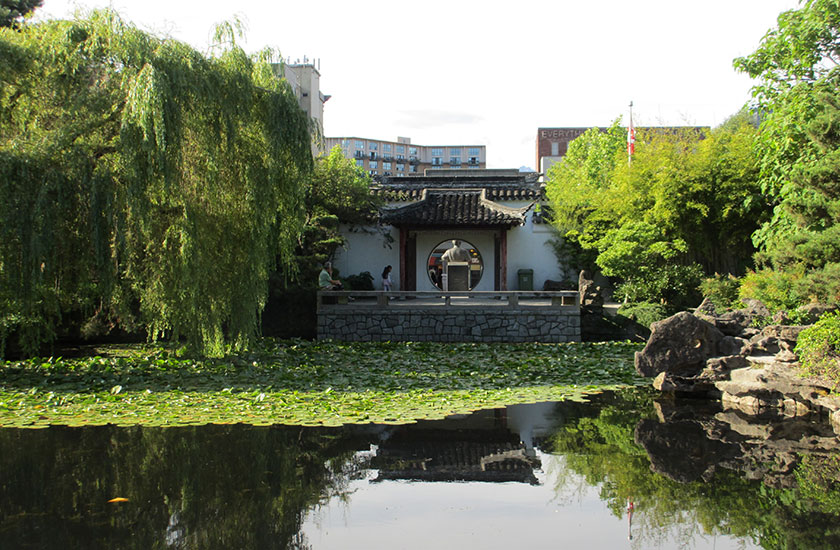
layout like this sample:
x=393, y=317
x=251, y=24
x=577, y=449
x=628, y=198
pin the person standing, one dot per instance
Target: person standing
x=386, y=278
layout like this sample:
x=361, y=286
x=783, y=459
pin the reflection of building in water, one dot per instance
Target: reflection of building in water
x=491, y=446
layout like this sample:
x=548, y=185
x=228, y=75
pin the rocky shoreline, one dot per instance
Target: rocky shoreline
x=726, y=357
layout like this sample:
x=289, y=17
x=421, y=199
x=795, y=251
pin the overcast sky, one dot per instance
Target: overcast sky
x=490, y=73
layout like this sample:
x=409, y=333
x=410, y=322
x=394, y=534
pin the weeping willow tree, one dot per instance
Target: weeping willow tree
x=142, y=184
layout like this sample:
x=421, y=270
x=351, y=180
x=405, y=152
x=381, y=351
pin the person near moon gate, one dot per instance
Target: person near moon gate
x=386, y=278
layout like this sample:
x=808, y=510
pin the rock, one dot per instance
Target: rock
x=756, y=308
x=706, y=307
x=812, y=312
x=590, y=292
x=786, y=356
x=727, y=363
x=732, y=345
x=679, y=345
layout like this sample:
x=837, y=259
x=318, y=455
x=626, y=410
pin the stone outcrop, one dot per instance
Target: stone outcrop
x=591, y=293
x=724, y=356
x=679, y=345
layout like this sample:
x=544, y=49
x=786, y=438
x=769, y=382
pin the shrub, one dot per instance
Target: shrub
x=722, y=290
x=644, y=313
x=362, y=281
x=818, y=348
x=775, y=289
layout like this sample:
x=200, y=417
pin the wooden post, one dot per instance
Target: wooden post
x=403, y=239
x=503, y=259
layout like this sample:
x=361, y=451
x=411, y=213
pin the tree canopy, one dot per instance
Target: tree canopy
x=688, y=203
x=12, y=12
x=142, y=183
x=799, y=146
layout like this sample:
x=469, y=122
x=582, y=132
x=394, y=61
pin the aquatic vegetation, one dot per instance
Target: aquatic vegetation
x=305, y=383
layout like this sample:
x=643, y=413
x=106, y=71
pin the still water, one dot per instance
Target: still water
x=622, y=471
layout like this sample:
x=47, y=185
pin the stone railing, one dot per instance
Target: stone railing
x=488, y=316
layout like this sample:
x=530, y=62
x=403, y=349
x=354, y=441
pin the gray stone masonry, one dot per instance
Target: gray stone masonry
x=453, y=325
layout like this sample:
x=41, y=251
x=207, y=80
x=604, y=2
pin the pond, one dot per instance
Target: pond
x=621, y=471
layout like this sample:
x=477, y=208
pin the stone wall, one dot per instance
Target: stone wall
x=452, y=325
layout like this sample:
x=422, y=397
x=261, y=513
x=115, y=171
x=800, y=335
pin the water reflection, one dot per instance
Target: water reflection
x=620, y=472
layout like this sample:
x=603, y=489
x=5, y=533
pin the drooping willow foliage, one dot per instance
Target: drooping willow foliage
x=142, y=184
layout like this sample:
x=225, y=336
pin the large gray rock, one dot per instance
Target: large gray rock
x=678, y=345
x=590, y=292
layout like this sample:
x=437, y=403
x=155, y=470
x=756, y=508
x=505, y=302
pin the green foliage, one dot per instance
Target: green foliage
x=645, y=313
x=775, y=289
x=799, y=145
x=142, y=182
x=638, y=254
x=361, y=281
x=818, y=348
x=722, y=290
x=12, y=12
x=688, y=204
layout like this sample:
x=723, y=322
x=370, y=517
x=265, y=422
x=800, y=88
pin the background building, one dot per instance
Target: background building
x=552, y=144
x=305, y=81
x=402, y=158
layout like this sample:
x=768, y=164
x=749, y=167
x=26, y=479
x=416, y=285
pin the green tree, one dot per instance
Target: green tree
x=797, y=94
x=141, y=179
x=688, y=201
x=12, y=12
x=338, y=192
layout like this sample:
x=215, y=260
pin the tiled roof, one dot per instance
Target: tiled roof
x=440, y=207
x=499, y=185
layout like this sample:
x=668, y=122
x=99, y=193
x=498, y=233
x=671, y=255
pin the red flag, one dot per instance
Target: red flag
x=631, y=140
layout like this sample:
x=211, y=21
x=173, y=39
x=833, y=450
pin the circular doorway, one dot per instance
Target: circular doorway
x=455, y=264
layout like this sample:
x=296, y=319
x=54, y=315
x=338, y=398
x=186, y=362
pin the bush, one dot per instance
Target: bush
x=645, y=313
x=362, y=281
x=722, y=290
x=818, y=348
x=775, y=289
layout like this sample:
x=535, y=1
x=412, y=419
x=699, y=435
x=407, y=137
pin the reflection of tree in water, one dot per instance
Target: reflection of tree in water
x=193, y=487
x=797, y=510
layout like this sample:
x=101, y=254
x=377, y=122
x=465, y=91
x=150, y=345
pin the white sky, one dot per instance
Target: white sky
x=490, y=73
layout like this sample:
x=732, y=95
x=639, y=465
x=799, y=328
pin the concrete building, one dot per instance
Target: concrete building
x=403, y=158
x=305, y=80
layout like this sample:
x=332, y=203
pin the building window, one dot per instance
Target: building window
x=360, y=144
x=437, y=161
x=412, y=168
x=437, y=151
x=372, y=146
x=386, y=165
x=474, y=161
x=400, y=150
x=412, y=151
x=455, y=161
x=455, y=151
x=386, y=148
x=475, y=152
x=400, y=167
x=360, y=163
x=555, y=149
x=372, y=155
